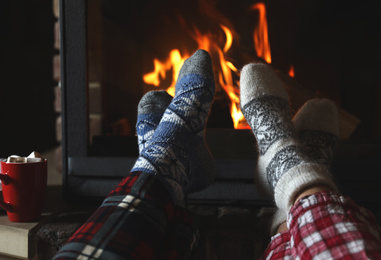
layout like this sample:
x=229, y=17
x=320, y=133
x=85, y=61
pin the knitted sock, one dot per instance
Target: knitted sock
x=283, y=169
x=151, y=108
x=317, y=126
x=177, y=152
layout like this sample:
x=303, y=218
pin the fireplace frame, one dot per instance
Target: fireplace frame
x=81, y=174
x=85, y=178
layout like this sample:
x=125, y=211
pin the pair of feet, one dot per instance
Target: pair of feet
x=171, y=130
x=293, y=153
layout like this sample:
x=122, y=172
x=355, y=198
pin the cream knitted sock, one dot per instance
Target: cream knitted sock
x=317, y=126
x=283, y=169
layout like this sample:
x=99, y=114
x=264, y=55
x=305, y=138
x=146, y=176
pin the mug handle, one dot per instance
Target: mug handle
x=5, y=180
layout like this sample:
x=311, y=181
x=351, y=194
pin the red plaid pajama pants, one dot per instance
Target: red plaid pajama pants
x=327, y=225
x=138, y=220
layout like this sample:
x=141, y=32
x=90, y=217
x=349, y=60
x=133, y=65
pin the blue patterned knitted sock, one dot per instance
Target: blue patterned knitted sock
x=177, y=152
x=151, y=108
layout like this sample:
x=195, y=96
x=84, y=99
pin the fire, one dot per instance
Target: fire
x=229, y=38
x=261, y=35
x=226, y=81
x=174, y=62
x=226, y=69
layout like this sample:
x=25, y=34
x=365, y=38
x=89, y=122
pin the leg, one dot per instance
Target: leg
x=284, y=170
x=328, y=225
x=317, y=126
x=180, y=235
x=133, y=220
x=287, y=172
x=128, y=224
x=177, y=152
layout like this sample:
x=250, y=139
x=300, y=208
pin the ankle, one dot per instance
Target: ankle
x=310, y=191
x=282, y=228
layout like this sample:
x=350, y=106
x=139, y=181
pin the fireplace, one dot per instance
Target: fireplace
x=112, y=49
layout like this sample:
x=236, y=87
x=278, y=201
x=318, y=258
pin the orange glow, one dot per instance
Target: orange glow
x=225, y=71
x=291, y=72
x=261, y=36
x=225, y=79
x=174, y=62
x=203, y=41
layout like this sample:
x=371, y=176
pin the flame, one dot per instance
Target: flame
x=229, y=38
x=261, y=36
x=202, y=40
x=291, y=72
x=174, y=62
x=226, y=71
x=226, y=81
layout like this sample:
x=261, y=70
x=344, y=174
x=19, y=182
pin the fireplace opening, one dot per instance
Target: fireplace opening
x=318, y=49
x=138, y=46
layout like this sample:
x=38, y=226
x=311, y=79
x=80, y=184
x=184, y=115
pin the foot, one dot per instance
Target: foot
x=283, y=168
x=317, y=124
x=177, y=152
x=317, y=127
x=150, y=111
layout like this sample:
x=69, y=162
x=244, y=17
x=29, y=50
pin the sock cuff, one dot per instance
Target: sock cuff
x=173, y=187
x=297, y=179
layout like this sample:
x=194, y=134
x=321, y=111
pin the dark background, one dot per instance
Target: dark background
x=332, y=43
x=335, y=46
x=26, y=77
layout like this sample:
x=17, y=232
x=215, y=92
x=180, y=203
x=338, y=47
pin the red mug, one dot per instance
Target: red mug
x=24, y=189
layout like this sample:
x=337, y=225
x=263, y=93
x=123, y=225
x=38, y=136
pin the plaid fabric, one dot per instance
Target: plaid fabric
x=327, y=225
x=279, y=247
x=137, y=220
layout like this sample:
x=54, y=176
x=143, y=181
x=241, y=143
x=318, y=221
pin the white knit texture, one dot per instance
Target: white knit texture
x=258, y=79
x=317, y=114
x=297, y=179
x=264, y=160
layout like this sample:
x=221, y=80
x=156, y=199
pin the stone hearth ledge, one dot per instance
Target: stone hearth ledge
x=17, y=240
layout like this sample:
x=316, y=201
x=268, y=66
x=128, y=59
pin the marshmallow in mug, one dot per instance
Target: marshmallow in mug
x=33, y=157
